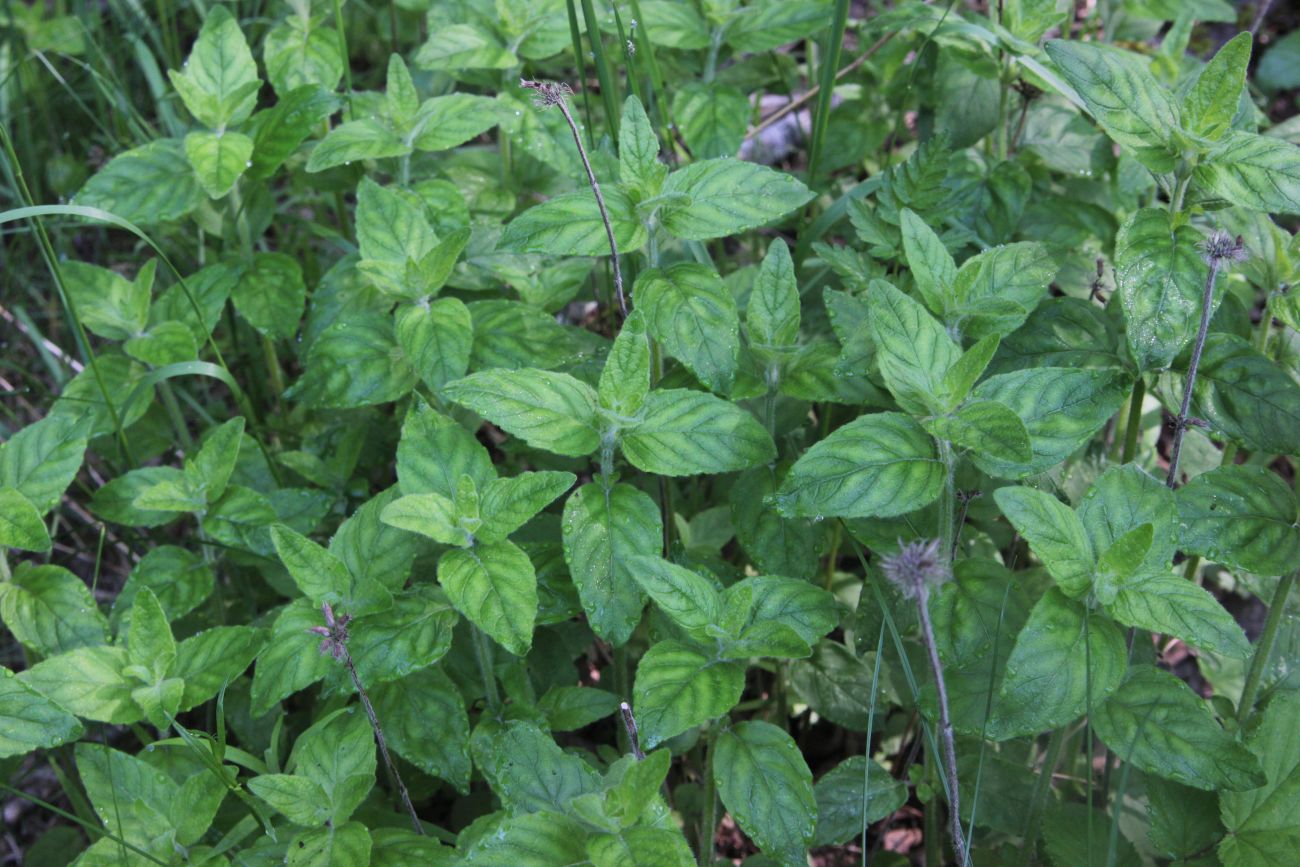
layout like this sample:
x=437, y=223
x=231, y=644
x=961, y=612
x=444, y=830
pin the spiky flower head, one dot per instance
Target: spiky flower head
x=548, y=92
x=916, y=568
x=1221, y=248
x=334, y=632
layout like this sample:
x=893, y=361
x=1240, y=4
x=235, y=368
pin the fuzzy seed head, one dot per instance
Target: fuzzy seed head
x=916, y=567
x=334, y=634
x=548, y=92
x=1221, y=248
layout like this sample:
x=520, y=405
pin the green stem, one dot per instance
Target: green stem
x=341, y=31
x=1133, y=427
x=709, y=821
x=1264, y=649
x=947, y=503
x=1042, y=786
x=483, y=656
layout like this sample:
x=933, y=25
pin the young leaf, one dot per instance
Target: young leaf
x=1055, y=534
x=508, y=504
x=625, y=379
x=1155, y=721
x=549, y=411
x=434, y=452
x=428, y=514
x=320, y=575
x=150, y=645
x=603, y=532
x=687, y=599
x=88, y=682
x=985, y=426
x=1213, y=100
x=678, y=687
x=928, y=259
x=875, y=466
x=208, y=472
x=365, y=139
x=638, y=152
x=1243, y=517
x=30, y=721
x=765, y=784
x=1122, y=499
x=436, y=339
x=218, y=160
x=219, y=82
x=728, y=196
x=1254, y=171
x=772, y=317
x=692, y=313
x=298, y=54
x=1161, y=277
x=913, y=350
x=960, y=378
x=1167, y=604
x=685, y=433
x=401, y=99
x=338, y=754
x=493, y=585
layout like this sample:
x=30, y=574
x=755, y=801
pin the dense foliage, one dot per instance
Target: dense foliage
x=538, y=433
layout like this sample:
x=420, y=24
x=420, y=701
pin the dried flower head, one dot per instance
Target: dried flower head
x=1221, y=247
x=916, y=567
x=548, y=92
x=335, y=632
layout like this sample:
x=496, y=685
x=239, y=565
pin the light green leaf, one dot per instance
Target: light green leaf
x=569, y=708
x=1255, y=171
x=365, y=139
x=841, y=798
x=913, y=350
x=463, y=46
x=1213, y=100
x=149, y=644
x=1122, y=95
x=371, y=549
x=513, y=335
x=320, y=575
x=208, y=471
x=691, y=312
x=292, y=659
x=528, y=771
x=218, y=160
x=496, y=588
x=603, y=531
x=299, y=54
x=678, y=688
x=625, y=379
x=807, y=609
x=549, y=411
x=570, y=225
x=20, y=523
x=428, y=514
x=445, y=122
x=687, y=599
x=1055, y=534
x=338, y=754
x=435, y=451
x=508, y=504
x=1167, y=604
x=1243, y=517
x=530, y=840
x=765, y=784
x=1155, y=721
x=686, y=433
x=985, y=426
x=928, y=259
x=995, y=290
x=42, y=459
x=88, y=682
x=1261, y=822
x=877, y=465
x=355, y=362
x=772, y=318
x=210, y=660
x=1061, y=657
x=1124, y=498
x=392, y=225
x=728, y=196
x=401, y=99
x=415, y=705
x=412, y=635
x=712, y=118
x=271, y=293
x=30, y=721
x=50, y=610
x=639, y=168
x=1161, y=278
x=148, y=185
x=640, y=846
x=279, y=131
x=109, y=304
x=348, y=843
x=436, y=339
x=219, y=80
x=960, y=378
x=302, y=801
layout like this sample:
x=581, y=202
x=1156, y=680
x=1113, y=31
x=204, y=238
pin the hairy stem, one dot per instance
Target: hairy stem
x=1264, y=649
x=1180, y=423
x=945, y=724
x=1133, y=427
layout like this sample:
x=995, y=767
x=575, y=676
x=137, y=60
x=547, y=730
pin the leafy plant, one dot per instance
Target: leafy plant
x=463, y=394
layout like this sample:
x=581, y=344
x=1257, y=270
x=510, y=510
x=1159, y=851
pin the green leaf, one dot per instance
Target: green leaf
x=391, y=227
x=365, y=139
x=678, y=688
x=399, y=847
x=271, y=293
x=1242, y=395
x=929, y=261
x=687, y=599
x=625, y=379
x=349, y=843
x=640, y=847
x=493, y=585
x=428, y=514
x=1261, y=822
x=639, y=168
x=463, y=46
x=208, y=471
x=1241, y=516
x=913, y=350
x=435, y=451
x=960, y=378
x=772, y=317
x=110, y=305
x=765, y=784
x=218, y=160
x=1122, y=499
x=20, y=523
x=150, y=645
x=299, y=54
x=444, y=122
x=1161, y=278
x=279, y=131
x=337, y=753
x=1167, y=604
x=686, y=433
x=1184, y=820
x=219, y=81
x=838, y=685
x=995, y=290
x=508, y=504
x=514, y=335
x=136, y=800
x=1255, y=171
x=401, y=100
x=528, y=771
x=549, y=411
x=436, y=339
x=301, y=800
x=162, y=344
x=972, y=611
x=569, y=708
x=292, y=659
x=777, y=545
x=148, y=185
x=807, y=609
x=50, y=610
x=877, y=465
x=692, y=313
x=1157, y=723
x=603, y=531
x=210, y=660
x=355, y=362
x=1122, y=96
x=30, y=721
x=412, y=635
x=88, y=682
x=712, y=118
x=1055, y=533
x=425, y=701
x=1062, y=409
x=1061, y=658
x=1076, y=835
x=371, y=549
x=570, y=225
x=848, y=789
x=728, y=196
x=323, y=577
x=1213, y=100
x=985, y=426
x=530, y=840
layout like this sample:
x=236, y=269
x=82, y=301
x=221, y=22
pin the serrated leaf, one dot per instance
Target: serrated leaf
x=434, y=452
x=271, y=293
x=845, y=791
x=20, y=524
x=338, y=754
x=603, y=531
x=625, y=378
x=50, y=610
x=355, y=362
x=687, y=599
x=772, y=317
x=412, y=635
x=292, y=659
x=1155, y=721
x=638, y=151
x=323, y=577
x=549, y=411
x=568, y=708
x=1061, y=658
x=877, y=465
x=1254, y=171
x=348, y=843
x=30, y=721
x=929, y=261
x=913, y=350
x=1124, y=498
x=678, y=688
x=507, y=504
x=765, y=784
x=1261, y=822
x=530, y=840
x=413, y=706
x=428, y=514
x=436, y=339
x=493, y=585
x=985, y=426
x=960, y=378
x=109, y=304
x=218, y=160
x=88, y=682
x=778, y=545
x=1243, y=517
x=728, y=196
x=692, y=314
x=279, y=131
x=1213, y=100
x=570, y=225
x=148, y=185
x=299, y=799
x=807, y=609
x=712, y=118
x=685, y=433
x=1167, y=604
x=1161, y=278
x=528, y=770
x=463, y=46
x=445, y=122
x=365, y=139
x=219, y=81
x=1055, y=533
x=211, y=659
x=298, y=54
